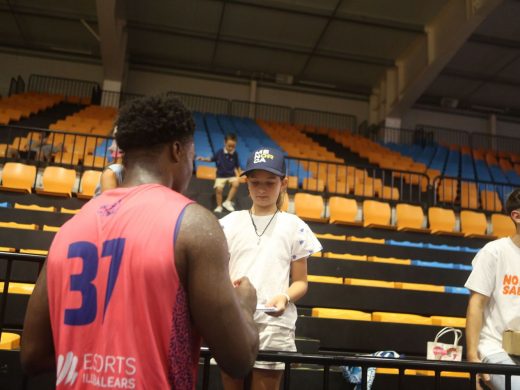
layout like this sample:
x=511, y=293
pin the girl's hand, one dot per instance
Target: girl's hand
x=278, y=301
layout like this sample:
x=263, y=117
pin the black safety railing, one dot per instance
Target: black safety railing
x=443, y=135
x=268, y=112
x=481, y=195
x=42, y=147
x=90, y=91
x=115, y=99
x=358, y=180
x=207, y=104
x=499, y=143
x=61, y=86
x=365, y=362
x=8, y=260
x=395, y=135
x=325, y=119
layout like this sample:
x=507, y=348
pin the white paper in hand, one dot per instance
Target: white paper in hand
x=266, y=309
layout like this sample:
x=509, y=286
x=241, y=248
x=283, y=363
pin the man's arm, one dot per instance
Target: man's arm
x=222, y=314
x=477, y=303
x=37, y=351
x=297, y=289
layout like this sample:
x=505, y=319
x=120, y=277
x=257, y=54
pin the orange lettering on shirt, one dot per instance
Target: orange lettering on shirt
x=512, y=291
x=515, y=280
x=505, y=291
x=507, y=279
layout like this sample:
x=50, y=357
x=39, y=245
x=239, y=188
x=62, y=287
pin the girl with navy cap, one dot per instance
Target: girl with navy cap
x=270, y=247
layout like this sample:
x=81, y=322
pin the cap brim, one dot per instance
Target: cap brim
x=271, y=170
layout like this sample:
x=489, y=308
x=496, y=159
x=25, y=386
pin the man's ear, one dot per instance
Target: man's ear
x=175, y=150
x=515, y=216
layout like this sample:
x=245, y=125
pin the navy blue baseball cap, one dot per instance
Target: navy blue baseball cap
x=266, y=159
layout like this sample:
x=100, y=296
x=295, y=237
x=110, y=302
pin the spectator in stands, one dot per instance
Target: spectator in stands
x=271, y=248
x=127, y=287
x=494, y=304
x=112, y=175
x=228, y=171
x=43, y=147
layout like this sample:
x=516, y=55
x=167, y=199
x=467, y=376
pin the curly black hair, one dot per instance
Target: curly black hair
x=151, y=121
x=513, y=201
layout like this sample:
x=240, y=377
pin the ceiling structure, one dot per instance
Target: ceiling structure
x=346, y=46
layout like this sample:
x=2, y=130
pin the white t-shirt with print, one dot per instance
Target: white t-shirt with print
x=267, y=261
x=496, y=274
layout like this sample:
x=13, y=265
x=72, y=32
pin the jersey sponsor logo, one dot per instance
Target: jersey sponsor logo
x=67, y=372
x=104, y=371
x=262, y=155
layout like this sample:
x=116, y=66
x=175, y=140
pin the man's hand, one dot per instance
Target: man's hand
x=246, y=293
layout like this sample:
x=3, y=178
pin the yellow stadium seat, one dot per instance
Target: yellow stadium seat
x=343, y=211
x=48, y=228
x=292, y=182
x=18, y=177
x=389, y=260
x=18, y=288
x=368, y=240
x=205, y=172
x=503, y=225
x=376, y=214
x=473, y=224
x=401, y=318
x=345, y=256
x=419, y=287
x=6, y=249
x=442, y=221
x=89, y=182
x=310, y=184
x=410, y=218
x=328, y=236
x=309, y=207
x=455, y=374
x=490, y=201
x=58, y=181
x=94, y=161
x=387, y=371
x=457, y=322
x=65, y=210
x=14, y=225
x=35, y=207
x=341, y=314
x=9, y=341
x=40, y=252
x=324, y=279
x=369, y=283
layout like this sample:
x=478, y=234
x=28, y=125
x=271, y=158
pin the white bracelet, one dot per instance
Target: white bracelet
x=287, y=296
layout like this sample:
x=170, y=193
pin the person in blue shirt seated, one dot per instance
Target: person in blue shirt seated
x=228, y=171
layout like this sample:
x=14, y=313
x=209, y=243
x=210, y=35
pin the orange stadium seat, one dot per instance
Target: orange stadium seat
x=89, y=181
x=442, y=221
x=377, y=214
x=490, y=201
x=410, y=218
x=473, y=224
x=343, y=211
x=18, y=177
x=58, y=181
x=309, y=207
x=503, y=225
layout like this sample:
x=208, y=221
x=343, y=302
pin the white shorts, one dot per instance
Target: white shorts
x=275, y=338
x=220, y=182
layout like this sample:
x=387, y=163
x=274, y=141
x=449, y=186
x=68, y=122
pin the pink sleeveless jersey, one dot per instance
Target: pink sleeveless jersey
x=119, y=314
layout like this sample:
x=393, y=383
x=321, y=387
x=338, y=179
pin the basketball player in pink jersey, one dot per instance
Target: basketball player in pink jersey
x=140, y=274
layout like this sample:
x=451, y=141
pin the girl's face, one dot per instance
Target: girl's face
x=264, y=187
